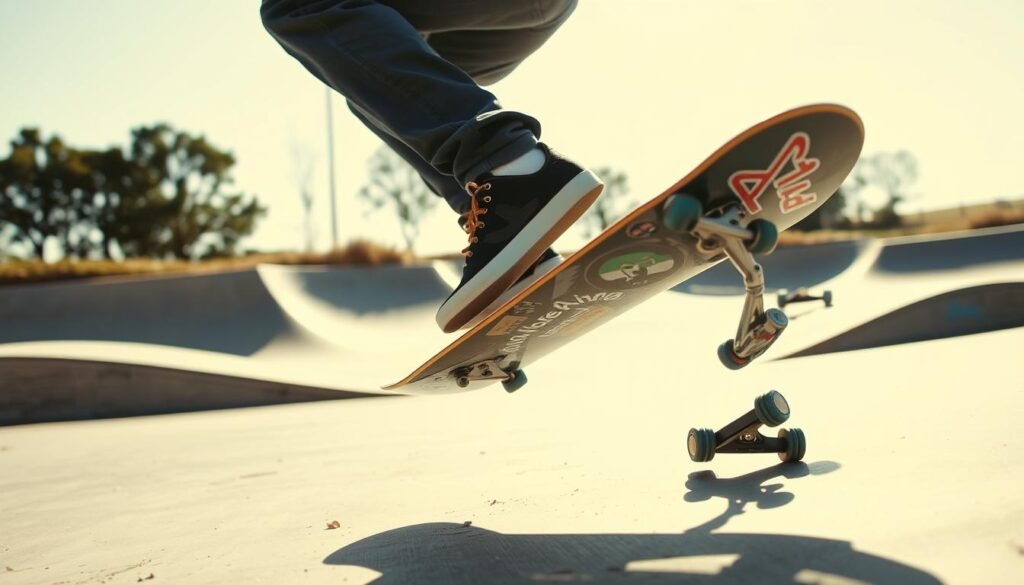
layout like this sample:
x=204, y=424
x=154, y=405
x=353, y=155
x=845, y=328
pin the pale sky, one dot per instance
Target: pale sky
x=647, y=87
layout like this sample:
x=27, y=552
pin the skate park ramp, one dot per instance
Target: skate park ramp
x=917, y=289
x=118, y=347
x=789, y=268
x=911, y=474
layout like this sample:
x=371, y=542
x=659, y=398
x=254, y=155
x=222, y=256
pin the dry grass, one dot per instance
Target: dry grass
x=998, y=218
x=365, y=253
x=357, y=253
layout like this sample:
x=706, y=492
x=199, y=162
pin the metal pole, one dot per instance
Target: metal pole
x=330, y=171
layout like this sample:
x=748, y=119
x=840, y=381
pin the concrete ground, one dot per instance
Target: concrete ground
x=913, y=470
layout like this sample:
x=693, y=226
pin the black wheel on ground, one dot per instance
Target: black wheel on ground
x=796, y=445
x=701, y=444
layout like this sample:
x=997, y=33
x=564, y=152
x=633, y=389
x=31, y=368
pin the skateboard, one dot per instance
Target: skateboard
x=731, y=206
x=802, y=295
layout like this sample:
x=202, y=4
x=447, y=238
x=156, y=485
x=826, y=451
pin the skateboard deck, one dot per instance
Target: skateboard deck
x=759, y=183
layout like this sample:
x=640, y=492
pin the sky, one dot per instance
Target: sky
x=647, y=87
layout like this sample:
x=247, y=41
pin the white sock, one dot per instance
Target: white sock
x=529, y=163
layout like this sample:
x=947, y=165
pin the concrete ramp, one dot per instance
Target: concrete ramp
x=916, y=289
x=229, y=313
x=787, y=268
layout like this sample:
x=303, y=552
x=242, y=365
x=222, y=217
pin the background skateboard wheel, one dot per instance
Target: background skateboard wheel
x=796, y=445
x=827, y=297
x=515, y=382
x=780, y=300
x=766, y=236
x=682, y=212
x=701, y=444
x=728, y=357
x=771, y=408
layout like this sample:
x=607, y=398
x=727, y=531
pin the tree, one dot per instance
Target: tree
x=394, y=183
x=830, y=216
x=892, y=174
x=178, y=207
x=609, y=207
x=43, y=185
x=164, y=199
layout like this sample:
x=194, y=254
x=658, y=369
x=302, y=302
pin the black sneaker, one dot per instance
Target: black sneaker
x=546, y=263
x=512, y=219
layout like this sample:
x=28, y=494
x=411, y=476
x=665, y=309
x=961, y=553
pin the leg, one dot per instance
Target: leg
x=373, y=56
x=489, y=55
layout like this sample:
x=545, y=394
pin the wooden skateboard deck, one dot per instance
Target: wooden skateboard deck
x=779, y=170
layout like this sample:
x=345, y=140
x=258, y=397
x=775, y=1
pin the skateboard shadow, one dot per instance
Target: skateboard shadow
x=454, y=553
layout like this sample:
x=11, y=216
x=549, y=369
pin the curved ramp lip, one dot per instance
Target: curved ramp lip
x=964, y=311
x=950, y=250
x=316, y=301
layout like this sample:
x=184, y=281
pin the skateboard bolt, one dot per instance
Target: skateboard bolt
x=748, y=437
x=487, y=372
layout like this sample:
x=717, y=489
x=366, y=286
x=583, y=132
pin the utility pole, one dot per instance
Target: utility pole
x=330, y=171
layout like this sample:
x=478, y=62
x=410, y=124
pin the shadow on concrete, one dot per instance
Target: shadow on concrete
x=454, y=553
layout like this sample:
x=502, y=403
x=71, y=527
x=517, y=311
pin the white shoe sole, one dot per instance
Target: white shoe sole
x=539, y=272
x=515, y=258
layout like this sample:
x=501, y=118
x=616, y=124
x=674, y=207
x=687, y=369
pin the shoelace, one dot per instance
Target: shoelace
x=472, y=217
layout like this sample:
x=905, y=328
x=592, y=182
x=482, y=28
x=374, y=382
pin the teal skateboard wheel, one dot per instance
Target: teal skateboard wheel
x=728, y=357
x=796, y=445
x=516, y=381
x=701, y=444
x=771, y=408
x=766, y=236
x=777, y=318
x=682, y=212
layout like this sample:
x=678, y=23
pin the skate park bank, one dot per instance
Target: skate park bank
x=906, y=387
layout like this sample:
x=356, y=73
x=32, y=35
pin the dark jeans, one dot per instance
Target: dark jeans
x=412, y=71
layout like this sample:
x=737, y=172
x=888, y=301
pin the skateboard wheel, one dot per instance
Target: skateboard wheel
x=682, y=212
x=771, y=408
x=778, y=319
x=516, y=381
x=796, y=445
x=827, y=297
x=782, y=299
x=701, y=444
x=728, y=357
x=766, y=236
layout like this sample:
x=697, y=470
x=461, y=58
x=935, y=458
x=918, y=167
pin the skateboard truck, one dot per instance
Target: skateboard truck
x=724, y=233
x=742, y=435
x=512, y=378
x=802, y=295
